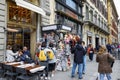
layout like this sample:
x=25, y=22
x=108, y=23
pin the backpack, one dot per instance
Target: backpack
x=42, y=56
x=50, y=54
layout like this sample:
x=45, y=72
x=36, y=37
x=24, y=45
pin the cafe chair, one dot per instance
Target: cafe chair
x=2, y=71
x=9, y=72
x=23, y=74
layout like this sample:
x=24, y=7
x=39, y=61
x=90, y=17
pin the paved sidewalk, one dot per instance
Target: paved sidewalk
x=91, y=72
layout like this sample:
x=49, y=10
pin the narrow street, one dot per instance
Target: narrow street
x=91, y=72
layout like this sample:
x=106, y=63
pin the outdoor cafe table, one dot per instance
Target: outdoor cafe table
x=31, y=68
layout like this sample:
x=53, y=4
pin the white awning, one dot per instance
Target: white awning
x=30, y=6
x=11, y=30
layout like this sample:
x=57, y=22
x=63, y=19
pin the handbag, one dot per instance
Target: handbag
x=111, y=62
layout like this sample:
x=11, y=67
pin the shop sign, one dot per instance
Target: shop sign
x=66, y=28
x=70, y=13
x=54, y=27
x=89, y=33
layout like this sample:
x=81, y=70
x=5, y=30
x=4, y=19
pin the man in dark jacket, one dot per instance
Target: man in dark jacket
x=26, y=51
x=109, y=48
x=79, y=52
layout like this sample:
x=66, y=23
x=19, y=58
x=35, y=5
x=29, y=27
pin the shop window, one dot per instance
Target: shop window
x=19, y=39
x=59, y=7
x=89, y=40
x=71, y=4
x=80, y=9
x=19, y=14
x=59, y=19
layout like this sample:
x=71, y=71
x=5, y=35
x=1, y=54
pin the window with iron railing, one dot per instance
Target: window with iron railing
x=95, y=18
x=60, y=7
x=87, y=13
x=91, y=15
x=99, y=21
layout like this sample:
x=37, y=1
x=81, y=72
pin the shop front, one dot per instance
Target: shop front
x=97, y=41
x=59, y=30
x=23, y=19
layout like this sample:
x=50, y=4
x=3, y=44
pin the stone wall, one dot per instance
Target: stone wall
x=2, y=32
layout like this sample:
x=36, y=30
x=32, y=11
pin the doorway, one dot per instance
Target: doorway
x=97, y=43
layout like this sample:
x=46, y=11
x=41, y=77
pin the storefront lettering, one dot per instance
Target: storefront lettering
x=71, y=14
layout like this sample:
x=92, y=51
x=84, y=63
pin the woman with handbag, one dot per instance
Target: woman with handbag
x=104, y=59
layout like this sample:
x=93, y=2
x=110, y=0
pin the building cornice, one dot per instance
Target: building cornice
x=96, y=27
x=65, y=14
x=113, y=6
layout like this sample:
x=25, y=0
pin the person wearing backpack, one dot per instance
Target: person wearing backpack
x=52, y=62
x=43, y=59
x=46, y=56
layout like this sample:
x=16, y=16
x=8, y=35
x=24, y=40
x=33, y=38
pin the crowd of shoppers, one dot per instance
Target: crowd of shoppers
x=62, y=49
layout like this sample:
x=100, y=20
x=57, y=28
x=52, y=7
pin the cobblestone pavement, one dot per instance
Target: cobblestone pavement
x=91, y=72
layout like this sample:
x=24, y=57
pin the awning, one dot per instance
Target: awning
x=11, y=30
x=59, y=28
x=30, y=6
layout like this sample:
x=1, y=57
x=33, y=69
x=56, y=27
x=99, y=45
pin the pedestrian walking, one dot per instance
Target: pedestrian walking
x=90, y=52
x=84, y=57
x=119, y=51
x=52, y=62
x=79, y=52
x=109, y=48
x=104, y=59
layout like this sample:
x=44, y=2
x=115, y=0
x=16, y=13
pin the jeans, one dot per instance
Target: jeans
x=91, y=56
x=80, y=68
x=108, y=75
x=84, y=63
